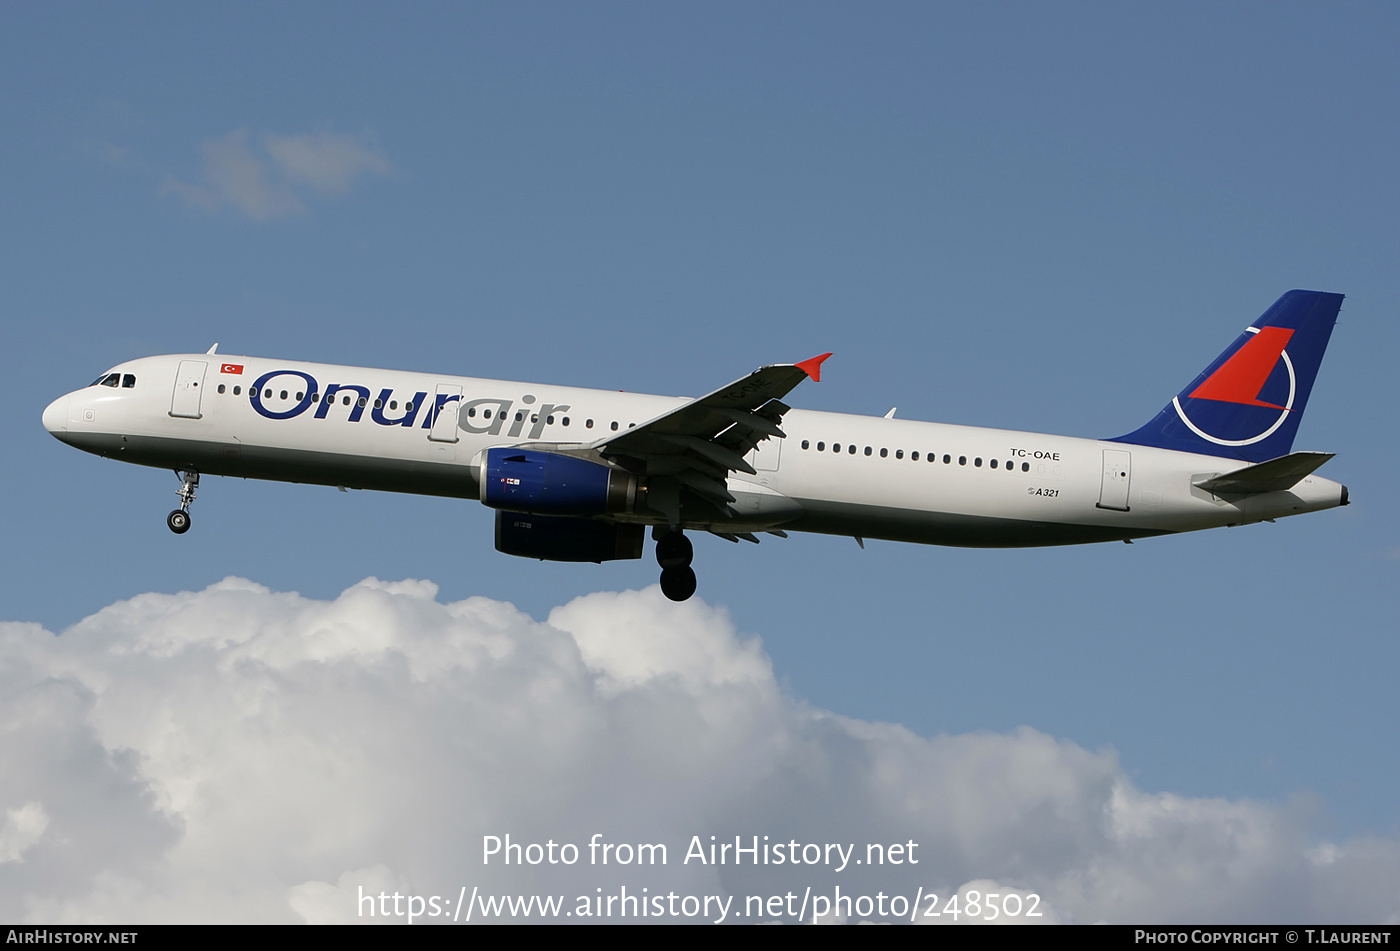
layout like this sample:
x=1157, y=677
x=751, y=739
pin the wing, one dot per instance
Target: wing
x=688, y=452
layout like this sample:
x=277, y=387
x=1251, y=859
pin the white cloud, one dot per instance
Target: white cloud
x=326, y=162
x=261, y=183
x=23, y=827
x=237, y=754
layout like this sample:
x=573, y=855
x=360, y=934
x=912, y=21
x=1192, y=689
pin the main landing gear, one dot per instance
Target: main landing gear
x=179, y=520
x=674, y=553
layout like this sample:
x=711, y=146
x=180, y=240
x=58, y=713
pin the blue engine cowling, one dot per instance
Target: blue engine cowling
x=559, y=538
x=550, y=483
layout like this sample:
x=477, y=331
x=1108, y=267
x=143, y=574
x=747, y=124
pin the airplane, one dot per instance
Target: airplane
x=581, y=474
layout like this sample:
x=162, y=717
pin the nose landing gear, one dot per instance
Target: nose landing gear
x=674, y=553
x=179, y=520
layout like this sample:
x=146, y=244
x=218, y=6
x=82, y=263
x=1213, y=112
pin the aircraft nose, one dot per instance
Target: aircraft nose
x=56, y=416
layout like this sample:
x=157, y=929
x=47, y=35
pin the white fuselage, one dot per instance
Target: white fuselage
x=889, y=478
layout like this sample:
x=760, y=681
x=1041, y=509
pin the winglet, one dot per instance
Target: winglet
x=813, y=367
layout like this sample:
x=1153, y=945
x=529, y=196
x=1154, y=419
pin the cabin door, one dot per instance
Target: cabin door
x=1117, y=473
x=189, y=380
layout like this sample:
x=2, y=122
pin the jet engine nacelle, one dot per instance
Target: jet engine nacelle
x=559, y=538
x=551, y=483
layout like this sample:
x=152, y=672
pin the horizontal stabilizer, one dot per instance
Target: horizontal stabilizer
x=1276, y=475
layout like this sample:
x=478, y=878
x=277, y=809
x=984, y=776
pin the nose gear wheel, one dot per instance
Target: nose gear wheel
x=178, y=521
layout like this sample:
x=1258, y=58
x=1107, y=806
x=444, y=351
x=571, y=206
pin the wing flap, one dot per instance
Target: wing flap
x=707, y=486
x=712, y=451
x=755, y=421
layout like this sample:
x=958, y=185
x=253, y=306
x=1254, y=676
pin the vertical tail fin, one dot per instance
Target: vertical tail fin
x=1248, y=403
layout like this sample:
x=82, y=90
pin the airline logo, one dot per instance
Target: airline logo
x=487, y=415
x=1242, y=377
x=234, y=368
x=1241, y=380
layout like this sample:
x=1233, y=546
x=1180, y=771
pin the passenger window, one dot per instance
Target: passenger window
x=361, y=400
x=977, y=462
x=238, y=391
x=886, y=452
x=394, y=404
x=867, y=450
x=588, y=424
x=566, y=420
x=899, y=453
x=549, y=420
x=851, y=449
x=267, y=394
x=408, y=407
x=345, y=401
x=378, y=404
x=962, y=460
x=284, y=394
x=1025, y=467
x=221, y=387
x=821, y=447
x=836, y=447
x=128, y=381
x=614, y=426
x=994, y=463
x=914, y=456
x=947, y=459
x=805, y=444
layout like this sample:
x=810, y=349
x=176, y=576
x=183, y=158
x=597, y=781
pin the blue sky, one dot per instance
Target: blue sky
x=1027, y=216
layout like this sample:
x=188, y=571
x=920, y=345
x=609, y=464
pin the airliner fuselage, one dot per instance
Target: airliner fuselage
x=577, y=473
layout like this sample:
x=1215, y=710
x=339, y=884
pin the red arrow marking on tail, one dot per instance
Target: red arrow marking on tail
x=1241, y=377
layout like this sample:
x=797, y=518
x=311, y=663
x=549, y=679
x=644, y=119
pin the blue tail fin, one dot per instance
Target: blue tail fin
x=1248, y=403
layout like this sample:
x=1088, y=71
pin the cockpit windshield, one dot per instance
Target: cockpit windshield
x=125, y=380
